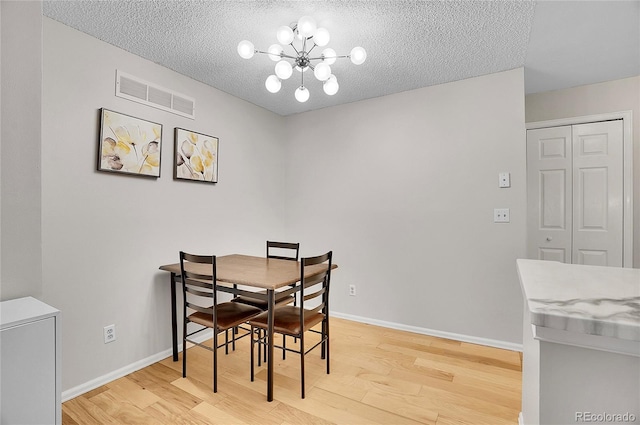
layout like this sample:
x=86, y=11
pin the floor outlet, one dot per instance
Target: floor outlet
x=109, y=333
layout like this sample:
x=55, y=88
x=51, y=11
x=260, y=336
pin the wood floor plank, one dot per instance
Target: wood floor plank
x=364, y=413
x=215, y=415
x=133, y=392
x=85, y=412
x=121, y=408
x=413, y=407
x=378, y=376
x=167, y=414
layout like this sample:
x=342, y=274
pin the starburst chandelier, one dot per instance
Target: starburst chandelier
x=303, y=37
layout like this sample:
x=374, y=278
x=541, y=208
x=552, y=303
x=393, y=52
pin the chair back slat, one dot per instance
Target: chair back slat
x=194, y=275
x=283, y=250
x=317, y=309
x=315, y=279
x=199, y=283
x=316, y=294
x=199, y=308
x=202, y=259
x=198, y=293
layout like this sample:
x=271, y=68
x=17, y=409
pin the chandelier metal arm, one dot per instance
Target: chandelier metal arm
x=329, y=57
x=282, y=55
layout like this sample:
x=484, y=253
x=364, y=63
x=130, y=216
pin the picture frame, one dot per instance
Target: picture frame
x=196, y=156
x=129, y=145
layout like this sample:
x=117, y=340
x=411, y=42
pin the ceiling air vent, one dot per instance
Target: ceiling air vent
x=138, y=90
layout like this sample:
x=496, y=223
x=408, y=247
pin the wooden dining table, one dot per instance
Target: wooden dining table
x=263, y=276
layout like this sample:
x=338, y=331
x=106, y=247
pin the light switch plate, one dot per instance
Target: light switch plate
x=504, y=180
x=501, y=215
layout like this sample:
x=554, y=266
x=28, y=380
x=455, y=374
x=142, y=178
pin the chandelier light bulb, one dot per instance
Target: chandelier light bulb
x=322, y=71
x=302, y=94
x=306, y=26
x=273, y=84
x=283, y=70
x=329, y=56
x=358, y=55
x=321, y=37
x=331, y=86
x=275, y=50
x=284, y=35
x=246, y=49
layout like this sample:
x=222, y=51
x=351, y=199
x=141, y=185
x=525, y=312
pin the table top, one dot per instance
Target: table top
x=259, y=272
x=591, y=300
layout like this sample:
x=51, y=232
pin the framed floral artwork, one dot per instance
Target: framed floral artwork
x=196, y=157
x=129, y=145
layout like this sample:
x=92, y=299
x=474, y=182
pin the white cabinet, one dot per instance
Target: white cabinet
x=30, y=390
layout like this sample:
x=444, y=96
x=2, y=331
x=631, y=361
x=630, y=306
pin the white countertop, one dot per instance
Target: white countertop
x=591, y=300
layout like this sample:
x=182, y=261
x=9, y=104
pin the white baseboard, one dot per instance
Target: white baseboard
x=520, y=419
x=432, y=332
x=116, y=374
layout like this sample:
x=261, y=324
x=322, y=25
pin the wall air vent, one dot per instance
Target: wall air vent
x=138, y=90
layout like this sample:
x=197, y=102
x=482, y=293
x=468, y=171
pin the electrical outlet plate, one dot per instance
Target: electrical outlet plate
x=504, y=180
x=109, y=333
x=352, y=290
x=501, y=215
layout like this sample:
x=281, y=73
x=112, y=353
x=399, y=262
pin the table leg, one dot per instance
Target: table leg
x=271, y=307
x=174, y=318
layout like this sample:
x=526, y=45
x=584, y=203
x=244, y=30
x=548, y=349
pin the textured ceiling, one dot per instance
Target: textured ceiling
x=410, y=44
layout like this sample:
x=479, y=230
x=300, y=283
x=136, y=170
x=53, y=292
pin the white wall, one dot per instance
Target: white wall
x=403, y=188
x=611, y=96
x=104, y=235
x=21, y=98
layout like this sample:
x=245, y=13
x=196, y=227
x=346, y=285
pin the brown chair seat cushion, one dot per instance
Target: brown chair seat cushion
x=262, y=304
x=229, y=315
x=286, y=320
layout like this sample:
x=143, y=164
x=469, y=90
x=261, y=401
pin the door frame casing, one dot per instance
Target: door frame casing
x=627, y=190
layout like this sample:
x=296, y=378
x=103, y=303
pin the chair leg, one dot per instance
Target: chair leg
x=233, y=340
x=264, y=348
x=327, y=343
x=284, y=346
x=184, y=349
x=302, y=362
x=323, y=346
x=252, y=348
x=226, y=341
x=295, y=303
x=259, y=332
x=215, y=361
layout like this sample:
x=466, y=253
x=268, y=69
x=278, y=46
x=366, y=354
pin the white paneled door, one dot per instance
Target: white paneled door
x=575, y=193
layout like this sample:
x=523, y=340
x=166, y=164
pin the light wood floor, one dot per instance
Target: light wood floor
x=378, y=376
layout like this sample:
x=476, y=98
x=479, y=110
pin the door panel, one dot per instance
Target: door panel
x=591, y=199
x=553, y=212
x=592, y=258
x=553, y=254
x=549, y=193
x=597, y=195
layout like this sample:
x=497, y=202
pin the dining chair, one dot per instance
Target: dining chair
x=201, y=307
x=295, y=321
x=281, y=251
